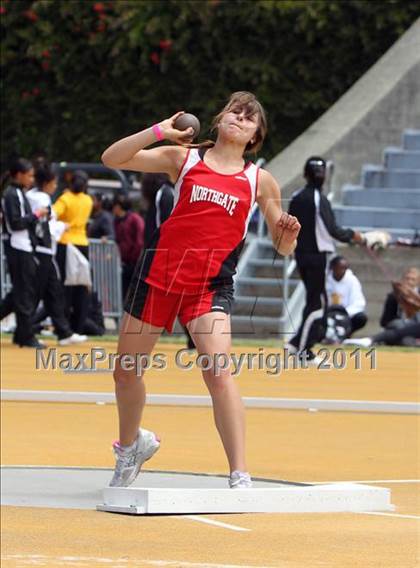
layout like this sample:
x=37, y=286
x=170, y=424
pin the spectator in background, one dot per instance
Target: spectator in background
x=94, y=323
x=20, y=225
x=316, y=238
x=344, y=289
x=396, y=311
x=101, y=225
x=129, y=235
x=400, y=316
x=158, y=193
x=74, y=207
x=50, y=287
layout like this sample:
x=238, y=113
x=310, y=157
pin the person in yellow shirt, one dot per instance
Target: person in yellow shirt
x=74, y=207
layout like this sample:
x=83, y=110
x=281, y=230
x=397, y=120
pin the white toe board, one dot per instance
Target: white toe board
x=330, y=498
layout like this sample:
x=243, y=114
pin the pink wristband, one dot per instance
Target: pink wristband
x=157, y=132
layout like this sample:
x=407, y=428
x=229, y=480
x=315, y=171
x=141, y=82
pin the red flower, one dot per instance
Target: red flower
x=25, y=94
x=165, y=44
x=154, y=57
x=99, y=7
x=45, y=65
x=2, y=10
x=46, y=53
x=30, y=14
x=36, y=91
x=101, y=27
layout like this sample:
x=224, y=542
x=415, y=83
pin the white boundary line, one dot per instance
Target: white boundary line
x=95, y=467
x=201, y=519
x=205, y=401
x=366, y=481
x=205, y=520
x=390, y=515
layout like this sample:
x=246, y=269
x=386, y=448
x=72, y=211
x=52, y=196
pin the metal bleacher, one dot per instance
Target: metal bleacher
x=269, y=295
x=388, y=196
x=268, y=292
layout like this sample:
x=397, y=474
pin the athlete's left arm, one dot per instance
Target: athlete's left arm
x=284, y=228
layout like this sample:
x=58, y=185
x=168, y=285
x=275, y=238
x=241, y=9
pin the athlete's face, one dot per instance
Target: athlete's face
x=235, y=125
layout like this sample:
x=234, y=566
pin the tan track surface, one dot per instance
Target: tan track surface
x=294, y=445
x=396, y=377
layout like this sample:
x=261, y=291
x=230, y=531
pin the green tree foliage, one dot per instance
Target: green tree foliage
x=78, y=74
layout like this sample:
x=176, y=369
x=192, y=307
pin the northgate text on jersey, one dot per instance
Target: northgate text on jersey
x=200, y=193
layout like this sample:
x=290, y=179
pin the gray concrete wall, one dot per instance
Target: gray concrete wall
x=371, y=115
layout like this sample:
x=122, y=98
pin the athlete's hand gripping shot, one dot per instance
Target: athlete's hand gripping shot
x=187, y=268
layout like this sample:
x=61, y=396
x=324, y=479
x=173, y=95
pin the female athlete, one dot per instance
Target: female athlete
x=186, y=269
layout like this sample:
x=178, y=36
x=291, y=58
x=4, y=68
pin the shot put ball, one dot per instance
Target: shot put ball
x=188, y=120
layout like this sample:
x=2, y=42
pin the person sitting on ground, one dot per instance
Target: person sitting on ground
x=401, y=314
x=344, y=290
x=396, y=310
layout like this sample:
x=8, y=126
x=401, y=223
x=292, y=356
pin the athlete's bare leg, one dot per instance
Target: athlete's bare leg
x=136, y=337
x=212, y=334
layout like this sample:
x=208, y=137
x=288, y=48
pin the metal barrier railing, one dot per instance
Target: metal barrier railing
x=105, y=263
x=104, y=258
x=257, y=235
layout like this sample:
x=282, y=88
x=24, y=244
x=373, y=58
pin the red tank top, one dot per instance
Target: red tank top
x=198, y=246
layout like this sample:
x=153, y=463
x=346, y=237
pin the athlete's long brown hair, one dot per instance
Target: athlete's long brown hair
x=243, y=100
x=240, y=100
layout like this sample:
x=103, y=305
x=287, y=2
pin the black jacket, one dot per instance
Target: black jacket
x=312, y=209
x=159, y=211
x=18, y=220
x=390, y=310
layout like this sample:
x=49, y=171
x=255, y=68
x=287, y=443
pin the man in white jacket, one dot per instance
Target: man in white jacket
x=344, y=289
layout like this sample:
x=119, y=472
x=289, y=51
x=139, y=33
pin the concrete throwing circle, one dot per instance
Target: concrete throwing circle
x=81, y=488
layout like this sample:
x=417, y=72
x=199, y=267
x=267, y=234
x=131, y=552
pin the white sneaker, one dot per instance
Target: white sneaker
x=359, y=341
x=74, y=338
x=311, y=360
x=46, y=332
x=8, y=324
x=240, y=480
x=131, y=458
